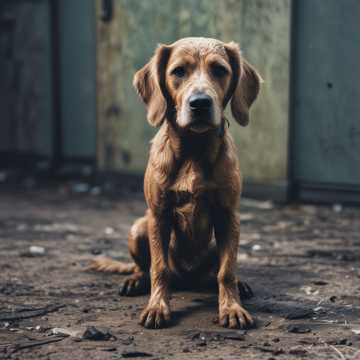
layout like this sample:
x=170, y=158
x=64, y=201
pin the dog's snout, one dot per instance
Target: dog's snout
x=200, y=101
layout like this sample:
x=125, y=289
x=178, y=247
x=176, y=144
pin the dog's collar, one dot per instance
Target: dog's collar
x=221, y=129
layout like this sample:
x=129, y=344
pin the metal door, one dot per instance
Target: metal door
x=326, y=93
x=25, y=82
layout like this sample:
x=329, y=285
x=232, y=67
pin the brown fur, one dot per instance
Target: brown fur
x=192, y=181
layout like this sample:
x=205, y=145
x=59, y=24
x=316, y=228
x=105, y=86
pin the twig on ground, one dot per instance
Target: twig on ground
x=10, y=349
x=342, y=357
x=26, y=314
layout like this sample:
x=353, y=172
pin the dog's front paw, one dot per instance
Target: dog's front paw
x=235, y=316
x=155, y=316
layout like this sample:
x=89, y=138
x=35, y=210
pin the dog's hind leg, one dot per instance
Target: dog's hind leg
x=138, y=242
x=138, y=245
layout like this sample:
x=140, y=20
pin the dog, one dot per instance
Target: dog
x=192, y=184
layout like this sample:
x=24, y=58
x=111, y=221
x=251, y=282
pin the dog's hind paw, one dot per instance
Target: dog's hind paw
x=137, y=284
x=245, y=291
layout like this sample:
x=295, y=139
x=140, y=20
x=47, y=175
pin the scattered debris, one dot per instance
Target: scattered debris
x=66, y=332
x=96, y=251
x=12, y=348
x=246, y=217
x=135, y=354
x=109, y=349
x=319, y=310
x=127, y=340
x=342, y=341
x=256, y=247
x=297, y=351
x=109, y=230
x=206, y=335
x=95, y=334
x=309, y=290
x=34, y=251
x=320, y=282
x=28, y=313
x=300, y=313
x=298, y=329
x=356, y=331
x=337, y=208
x=15, y=289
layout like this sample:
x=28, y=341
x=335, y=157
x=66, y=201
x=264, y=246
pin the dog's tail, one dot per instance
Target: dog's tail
x=105, y=264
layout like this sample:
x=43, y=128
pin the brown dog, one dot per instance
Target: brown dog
x=192, y=182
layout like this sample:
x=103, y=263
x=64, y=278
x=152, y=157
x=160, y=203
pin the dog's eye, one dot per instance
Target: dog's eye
x=218, y=70
x=179, y=71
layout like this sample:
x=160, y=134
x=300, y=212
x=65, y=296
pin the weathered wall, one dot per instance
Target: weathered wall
x=260, y=26
x=326, y=139
x=25, y=77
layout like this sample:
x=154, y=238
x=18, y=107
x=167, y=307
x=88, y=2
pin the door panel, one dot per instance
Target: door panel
x=25, y=73
x=327, y=92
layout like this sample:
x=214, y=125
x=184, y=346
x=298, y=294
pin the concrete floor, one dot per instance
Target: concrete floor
x=301, y=261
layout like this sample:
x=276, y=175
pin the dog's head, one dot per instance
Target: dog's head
x=192, y=80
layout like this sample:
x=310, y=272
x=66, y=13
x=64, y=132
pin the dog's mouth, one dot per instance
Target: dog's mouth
x=201, y=120
x=200, y=128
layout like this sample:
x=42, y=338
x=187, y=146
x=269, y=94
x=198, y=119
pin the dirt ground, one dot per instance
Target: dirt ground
x=301, y=261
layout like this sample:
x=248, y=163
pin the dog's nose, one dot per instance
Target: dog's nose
x=200, y=101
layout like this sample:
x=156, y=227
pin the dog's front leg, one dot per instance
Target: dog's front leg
x=157, y=312
x=227, y=231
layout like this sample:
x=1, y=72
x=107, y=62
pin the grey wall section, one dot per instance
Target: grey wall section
x=327, y=92
x=25, y=78
x=262, y=28
x=78, y=77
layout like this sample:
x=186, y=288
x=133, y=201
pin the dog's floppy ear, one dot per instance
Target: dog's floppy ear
x=149, y=83
x=245, y=84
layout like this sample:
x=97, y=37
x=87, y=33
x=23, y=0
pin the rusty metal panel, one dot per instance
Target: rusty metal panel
x=126, y=42
x=25, y=73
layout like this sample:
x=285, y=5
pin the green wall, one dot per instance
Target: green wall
x=261, y=27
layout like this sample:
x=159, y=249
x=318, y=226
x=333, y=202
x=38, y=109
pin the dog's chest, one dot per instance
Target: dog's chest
x=191, y=179
x=191, y=194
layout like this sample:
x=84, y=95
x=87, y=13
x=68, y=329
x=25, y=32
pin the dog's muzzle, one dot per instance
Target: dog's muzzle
x=201, y=112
